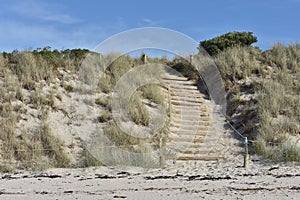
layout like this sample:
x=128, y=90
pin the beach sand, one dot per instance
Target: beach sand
x=226, y=179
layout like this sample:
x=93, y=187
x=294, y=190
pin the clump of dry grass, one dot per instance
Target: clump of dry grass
x=52, y=147
x=153, y=93
x=138, y=111
x=118, y=137
x=89, y=160
x=238, y=63
x=105, y=84
x=117, y=67
x=103, y=101
x=27, y=150
x=123, y=149
x=104, y=117
x=31, y=68
x=3, y=65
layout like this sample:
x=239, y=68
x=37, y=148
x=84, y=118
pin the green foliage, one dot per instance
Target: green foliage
x=228, y=40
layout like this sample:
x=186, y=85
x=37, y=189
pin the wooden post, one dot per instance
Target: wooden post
x=144, y=58
x=191, y=59
x=161, y=154
x=246, y=156
x=169, y=98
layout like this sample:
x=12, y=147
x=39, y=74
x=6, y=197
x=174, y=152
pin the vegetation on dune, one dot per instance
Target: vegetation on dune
x=25, y=77
x=262, y=92
x=270, y=115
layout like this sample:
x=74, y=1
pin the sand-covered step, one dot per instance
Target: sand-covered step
x=180, y=117
x=189, y=121
x=174, y=138
x=187, y=97
x=176, y=89
x=190, y=135
x=197, y=151
x=204, y=158
x=187, y=115
x=174, y=78
x=200, y=108
x=181, y=93
x=185, y=103
x=187, y=138
x=185, y=87
x=186, y=131
x=185, y=83
x=189, y=111
x=175, y=129
x=189, y=125
x=193, y=112
x=182, y=145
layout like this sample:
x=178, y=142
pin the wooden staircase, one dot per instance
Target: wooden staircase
x=193, y=133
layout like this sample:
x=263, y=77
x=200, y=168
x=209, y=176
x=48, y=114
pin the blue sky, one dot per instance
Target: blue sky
x=63, y=24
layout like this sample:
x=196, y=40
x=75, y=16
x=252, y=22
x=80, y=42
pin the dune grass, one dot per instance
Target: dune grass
x=276, y=75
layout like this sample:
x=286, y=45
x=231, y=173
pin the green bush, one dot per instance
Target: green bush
x=228, y=40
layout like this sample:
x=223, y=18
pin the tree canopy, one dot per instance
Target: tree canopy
x=228, y=40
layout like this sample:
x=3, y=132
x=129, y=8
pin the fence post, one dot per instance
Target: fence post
x=169, y=98
x=246, y=156
x=161, y=154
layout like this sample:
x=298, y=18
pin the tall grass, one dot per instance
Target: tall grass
x=239, y=63
x=278, y=108
x=31, y=68
x=38, y=149
x=153, y=93
x=118, y=137
x=276, y=91
x=138, y=111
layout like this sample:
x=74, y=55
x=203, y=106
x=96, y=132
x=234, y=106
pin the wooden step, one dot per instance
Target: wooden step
x=186, y=94
x=193, y=120
x=185, y=103
x=197, y=151
x=174, y=78
x=201, y=108
x=186, y=126
x=197, y=129
x=185, y=87
x=190, y=135
x=204, y=158
x=189, y=111
x=185, y=115
x=193, y=139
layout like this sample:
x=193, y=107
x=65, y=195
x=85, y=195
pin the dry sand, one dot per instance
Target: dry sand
x=225, y=179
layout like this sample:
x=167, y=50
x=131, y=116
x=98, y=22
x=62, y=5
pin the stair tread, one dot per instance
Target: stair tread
x=190, y=135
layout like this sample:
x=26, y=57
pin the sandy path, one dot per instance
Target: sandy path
x=201, y=180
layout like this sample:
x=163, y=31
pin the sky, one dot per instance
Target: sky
x=63, y=24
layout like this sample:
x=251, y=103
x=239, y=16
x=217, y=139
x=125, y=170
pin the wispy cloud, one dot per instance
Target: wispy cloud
x=150, y=22
x=43, y=11
x=20, y=35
